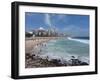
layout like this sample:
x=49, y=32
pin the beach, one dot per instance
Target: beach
x=36, y=57
x=31, y=43
x=32, y=50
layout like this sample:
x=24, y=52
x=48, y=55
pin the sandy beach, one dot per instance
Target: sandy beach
x=33, y=49
x=33, y=57
x=31, y=43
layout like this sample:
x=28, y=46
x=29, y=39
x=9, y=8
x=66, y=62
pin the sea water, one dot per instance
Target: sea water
x=66, y=48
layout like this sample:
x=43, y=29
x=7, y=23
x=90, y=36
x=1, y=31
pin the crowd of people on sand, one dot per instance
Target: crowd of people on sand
x=37, y=43
x=34, y=59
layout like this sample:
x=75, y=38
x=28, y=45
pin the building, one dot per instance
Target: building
x=41, y=32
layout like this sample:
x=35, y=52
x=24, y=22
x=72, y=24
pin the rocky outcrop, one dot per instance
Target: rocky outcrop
x=33, y=60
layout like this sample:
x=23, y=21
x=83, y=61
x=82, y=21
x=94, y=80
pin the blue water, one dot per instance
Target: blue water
x=65, y=48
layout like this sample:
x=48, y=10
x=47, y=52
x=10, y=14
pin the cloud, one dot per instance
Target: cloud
x=53, y=19
x=59, y=22
x=48, y=20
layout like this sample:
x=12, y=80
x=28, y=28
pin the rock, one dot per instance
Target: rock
x=57, y=62
x=27, y=56
x=84, y=63
x=73, y=57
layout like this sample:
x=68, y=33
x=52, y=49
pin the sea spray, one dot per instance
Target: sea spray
x=63, y=50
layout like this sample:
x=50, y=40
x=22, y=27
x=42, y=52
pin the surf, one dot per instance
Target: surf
x=85, y=41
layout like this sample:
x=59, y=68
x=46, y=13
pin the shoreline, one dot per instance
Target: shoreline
x=33, y=57
x=31, y=43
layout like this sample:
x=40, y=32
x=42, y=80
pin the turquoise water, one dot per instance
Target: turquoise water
x=65, y=48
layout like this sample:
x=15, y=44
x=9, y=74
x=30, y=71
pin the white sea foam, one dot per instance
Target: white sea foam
x=85, y=41
x=64, y=50
x=63, y=58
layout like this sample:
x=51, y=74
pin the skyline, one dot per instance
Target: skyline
x=74, y=25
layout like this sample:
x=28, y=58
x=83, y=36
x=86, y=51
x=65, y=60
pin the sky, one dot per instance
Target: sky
x=73, y=25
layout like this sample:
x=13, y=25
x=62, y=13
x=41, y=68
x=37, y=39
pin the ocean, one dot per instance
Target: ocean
x=66, y=48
